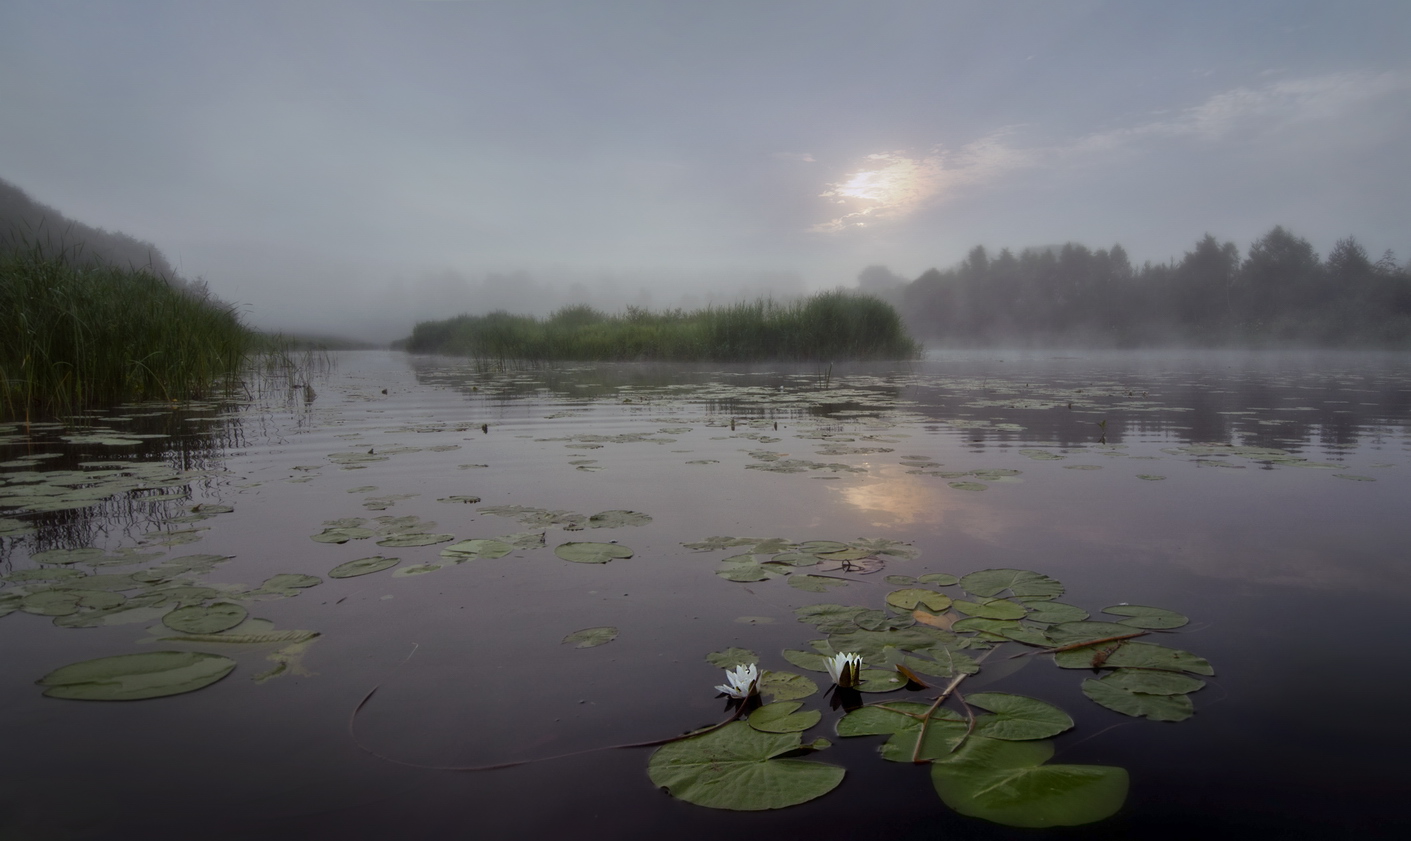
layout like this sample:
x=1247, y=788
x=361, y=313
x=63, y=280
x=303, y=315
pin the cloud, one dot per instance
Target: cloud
x=1255, y=112
x=1338, y=109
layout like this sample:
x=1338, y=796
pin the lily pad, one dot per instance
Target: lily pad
x=1053, y=613
x=591, y=637
x=1136, y=655
x=1007, y=783
x=1153, y=682
x=1147, y=617
x=342, y=534
x=469, y=550
x=732, y=657
x=1021, y=582
x=618, y=519
x=939, y=579
x=781, y=717
x=406, y=539
x=1017, y=718
x=970, y=486
x=735, y=768
x=464, y=500
x=1139, y=704
x=992, y=609
x=69, y=556
x=362, y=566
x=591, y=553
x=196, y=619
x=901, y=720
x=785, y=686
x=416, y=569
x=815, y=583
x=909, y=599
x=132, y=677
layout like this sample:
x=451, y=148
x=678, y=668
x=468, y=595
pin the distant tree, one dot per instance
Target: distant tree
x=1281, y=276
x=1202, y=284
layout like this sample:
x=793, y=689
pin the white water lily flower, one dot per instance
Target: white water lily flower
x=742, y=681
x=845, y=669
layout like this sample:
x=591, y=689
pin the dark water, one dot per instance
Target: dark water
x=1295, y=577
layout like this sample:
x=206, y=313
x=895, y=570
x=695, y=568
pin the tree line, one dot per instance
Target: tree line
x=1278, y=293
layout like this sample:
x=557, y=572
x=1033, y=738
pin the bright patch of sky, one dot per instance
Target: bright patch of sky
x=360, y=165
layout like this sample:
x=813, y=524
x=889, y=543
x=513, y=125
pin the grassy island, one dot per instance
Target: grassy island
x=825, y=327
x=77, y=336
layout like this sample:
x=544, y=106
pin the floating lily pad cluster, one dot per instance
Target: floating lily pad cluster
x=988, y=752
x=80, y=589
x=814, y=566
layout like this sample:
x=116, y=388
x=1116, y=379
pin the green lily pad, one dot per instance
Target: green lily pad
x=196, y=619
x=939, y=579
x=996, y=629
x=879, y=680
x=362, y=566
x=1016, y=717
x=816, y=583
x=469, y=550
x=910, y=598
x=1066, y=633
x=795, y=559
x=880, y=620
x=900, y=580
x=970, y=486
x=780, y=717
x=591, y=553
x=806, y=660
x=1022, y=583
x=735, y=768
x=744, y=568
x=732, y=657
x=992, y=609
x=464, y=500
x=901, y=721
x=286, y=581
x=1151, y=477
x=416, y=569
x=591, y=637
x=1147, y=617
x=132, y=677
x=617, y=519
x=785, y=686
x=1136, y=655
x=406, y=539
x=1139, y=704
x=342, y=534
x=1054, y=613
x=1153, y=682
x=1007, y=783
x=68, y=556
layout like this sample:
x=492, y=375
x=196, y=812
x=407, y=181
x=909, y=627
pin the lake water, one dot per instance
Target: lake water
x=1264, y=497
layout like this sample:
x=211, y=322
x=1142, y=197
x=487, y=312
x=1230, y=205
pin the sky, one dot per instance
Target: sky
x=352, y=167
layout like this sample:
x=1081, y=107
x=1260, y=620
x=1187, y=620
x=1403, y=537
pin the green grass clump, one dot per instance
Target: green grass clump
x=825, y=327
x=80, y=336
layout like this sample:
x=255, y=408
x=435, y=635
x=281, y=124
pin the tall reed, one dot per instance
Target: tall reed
x=78, y=336
x=827, y=326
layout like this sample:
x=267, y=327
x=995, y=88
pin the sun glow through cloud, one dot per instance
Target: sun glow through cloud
x=890, y=186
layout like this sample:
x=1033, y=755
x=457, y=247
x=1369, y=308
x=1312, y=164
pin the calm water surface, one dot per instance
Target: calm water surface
x=1293, y=567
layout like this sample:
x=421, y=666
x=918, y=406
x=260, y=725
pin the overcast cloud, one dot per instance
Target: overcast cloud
x=349, y=166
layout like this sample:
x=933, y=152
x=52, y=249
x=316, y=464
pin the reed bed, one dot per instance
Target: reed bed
x=77, y=337
x=824, y=327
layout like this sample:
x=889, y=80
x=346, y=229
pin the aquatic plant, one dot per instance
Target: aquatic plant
x=824, y=327
x=79, y=336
